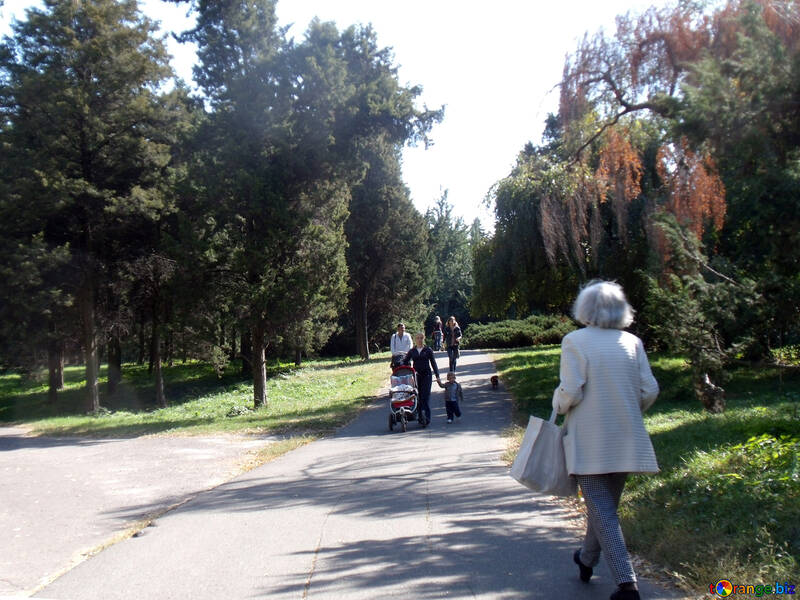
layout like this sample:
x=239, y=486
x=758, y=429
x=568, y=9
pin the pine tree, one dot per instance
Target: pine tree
x=88, y=136
x=280, y=156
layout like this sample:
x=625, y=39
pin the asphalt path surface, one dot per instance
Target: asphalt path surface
x=64, y=498
x=429, y=513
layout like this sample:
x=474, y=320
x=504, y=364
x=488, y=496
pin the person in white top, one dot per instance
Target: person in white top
x=606, y=384
x=401, y=341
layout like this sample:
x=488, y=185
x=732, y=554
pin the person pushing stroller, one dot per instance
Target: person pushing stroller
x=423, y=359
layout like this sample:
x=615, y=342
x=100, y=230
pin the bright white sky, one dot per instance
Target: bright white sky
x=494, y=65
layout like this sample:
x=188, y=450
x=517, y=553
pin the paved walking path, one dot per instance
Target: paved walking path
x=429, y=513
x=63, y=497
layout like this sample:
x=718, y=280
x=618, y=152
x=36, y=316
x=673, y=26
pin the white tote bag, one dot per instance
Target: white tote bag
x=540, y=464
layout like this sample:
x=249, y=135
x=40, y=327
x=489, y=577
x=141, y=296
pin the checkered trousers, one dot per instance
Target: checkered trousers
x=603, y=532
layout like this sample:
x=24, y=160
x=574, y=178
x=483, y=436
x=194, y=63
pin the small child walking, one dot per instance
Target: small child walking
x=452, y=396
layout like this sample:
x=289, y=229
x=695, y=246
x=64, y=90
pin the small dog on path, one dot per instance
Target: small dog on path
x=495, y=380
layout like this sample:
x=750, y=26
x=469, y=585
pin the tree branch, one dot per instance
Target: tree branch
x=701, y=262
x=627, y=108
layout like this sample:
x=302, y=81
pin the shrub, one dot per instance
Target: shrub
x=515, y=333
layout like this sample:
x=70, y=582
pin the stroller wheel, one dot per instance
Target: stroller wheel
x=391, y=422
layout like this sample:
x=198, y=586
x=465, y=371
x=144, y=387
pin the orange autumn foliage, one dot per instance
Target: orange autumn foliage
x=619, y=174
x=782, y=18
x=661, y=43
x=696, y=194
x=619, y=168
x=642, y=65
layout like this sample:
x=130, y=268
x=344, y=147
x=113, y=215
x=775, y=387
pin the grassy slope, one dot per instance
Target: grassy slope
x=727, y=501
x=312, y=399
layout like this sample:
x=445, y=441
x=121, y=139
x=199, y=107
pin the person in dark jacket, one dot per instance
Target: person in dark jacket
x=438, y=333
x=422, y=359
x=452, y=338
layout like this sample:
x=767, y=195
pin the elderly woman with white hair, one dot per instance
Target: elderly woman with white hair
x=606, y=384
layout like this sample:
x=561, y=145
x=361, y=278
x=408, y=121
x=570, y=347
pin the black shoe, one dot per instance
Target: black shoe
x=625, y=595
x=586, y=572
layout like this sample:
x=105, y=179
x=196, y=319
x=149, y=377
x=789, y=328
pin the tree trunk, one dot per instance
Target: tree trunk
x=447, y=309
x=158, y=379
x=60, y=366
x=362, y=334
x=259, y=366
x=140, y=360
x=711, y=396
x=298, y=356
x=155, y=359
x=114, y=364
x=169, y=349
x=55, y=367
x=247, y=356
x=89, y=348
x=154, y=341
x=232, y=354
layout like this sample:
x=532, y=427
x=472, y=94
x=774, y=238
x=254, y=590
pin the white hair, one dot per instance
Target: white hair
x=603, y=304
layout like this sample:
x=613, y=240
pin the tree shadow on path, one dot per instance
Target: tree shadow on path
x=429, y=513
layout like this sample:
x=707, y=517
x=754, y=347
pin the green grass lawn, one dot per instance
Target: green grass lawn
x=726, y=504
x=311, y=400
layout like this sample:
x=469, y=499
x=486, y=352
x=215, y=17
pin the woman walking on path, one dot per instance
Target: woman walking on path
x=606, y=384
x=452, y=336
x=438, y=333
x=423, y=360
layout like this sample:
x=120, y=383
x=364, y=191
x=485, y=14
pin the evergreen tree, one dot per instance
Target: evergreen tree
x=282, y=153
x=87, y=130
x=385, y=235
x=451, y=262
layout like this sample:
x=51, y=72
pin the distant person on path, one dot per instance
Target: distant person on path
x=606, y=384
x=438, y=333
x=452, y=338
x=400, y=342
x=453, y=396
x=423, y=361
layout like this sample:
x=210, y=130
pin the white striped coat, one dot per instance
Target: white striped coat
x=606, y=385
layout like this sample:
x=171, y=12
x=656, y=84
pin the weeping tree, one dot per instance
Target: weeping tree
x=718, y=88
x=681, y=112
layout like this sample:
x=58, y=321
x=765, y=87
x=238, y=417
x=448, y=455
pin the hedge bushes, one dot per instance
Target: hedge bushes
x=536, y=329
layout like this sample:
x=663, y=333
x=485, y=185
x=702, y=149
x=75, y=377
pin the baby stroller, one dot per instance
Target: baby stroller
x=403, y=398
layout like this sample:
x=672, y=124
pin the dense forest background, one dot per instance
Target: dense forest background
x=266, y=214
